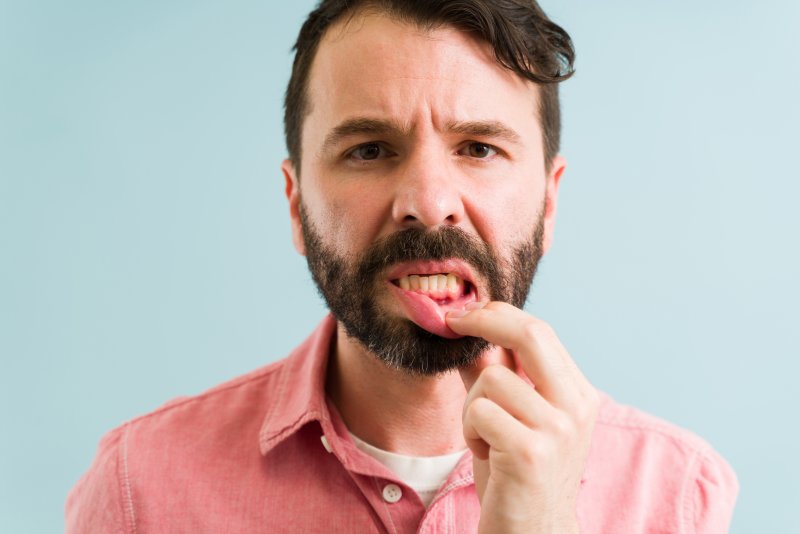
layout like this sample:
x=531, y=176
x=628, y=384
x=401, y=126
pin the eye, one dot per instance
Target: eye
x=367, y=152
x=480, y=150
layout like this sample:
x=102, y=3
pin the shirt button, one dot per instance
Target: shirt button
x=392, y=493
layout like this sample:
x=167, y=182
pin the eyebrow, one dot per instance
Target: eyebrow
x=492, y=129
x=361, y=126
x=381, y=127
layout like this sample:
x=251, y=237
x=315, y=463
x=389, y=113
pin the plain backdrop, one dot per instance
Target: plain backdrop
x=145, y=249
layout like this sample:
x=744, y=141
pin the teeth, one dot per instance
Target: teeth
x=413, y=281
x=437, y=286
x=452, y=282
x=433, y=284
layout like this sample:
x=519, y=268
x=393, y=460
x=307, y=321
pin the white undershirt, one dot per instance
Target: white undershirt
x=424, y=474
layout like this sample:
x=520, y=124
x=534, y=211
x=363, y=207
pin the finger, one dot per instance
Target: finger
x=470, y=373
x=495, y=356
x=488, y=426
x=509, y=391
x=538, y=349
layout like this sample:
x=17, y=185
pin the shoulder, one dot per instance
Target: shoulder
x=647, y=462
x=228, y=415
x=97, y=502
x=159, y=448
x=238, y=397
x=636, y=426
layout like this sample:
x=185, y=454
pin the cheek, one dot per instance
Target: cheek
x=352, y=219
x=508, y=214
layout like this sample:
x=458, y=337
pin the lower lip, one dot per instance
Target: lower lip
x=429, y=314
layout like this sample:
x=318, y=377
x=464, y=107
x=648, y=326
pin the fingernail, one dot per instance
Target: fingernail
x=456, y=314
x=474, y=306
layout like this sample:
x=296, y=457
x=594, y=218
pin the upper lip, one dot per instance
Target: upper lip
x=426, y=267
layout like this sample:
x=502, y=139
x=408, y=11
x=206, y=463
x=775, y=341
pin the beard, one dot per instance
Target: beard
x=351, y=286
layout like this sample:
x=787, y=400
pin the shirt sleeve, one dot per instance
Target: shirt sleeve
x=710, y=495
x=95, y=504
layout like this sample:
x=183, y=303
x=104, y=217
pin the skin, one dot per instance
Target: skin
x=529, y=445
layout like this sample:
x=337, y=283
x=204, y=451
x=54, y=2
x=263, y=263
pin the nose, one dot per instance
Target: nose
x=427, y=192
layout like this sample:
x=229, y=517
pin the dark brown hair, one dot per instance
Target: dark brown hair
x=524, y=40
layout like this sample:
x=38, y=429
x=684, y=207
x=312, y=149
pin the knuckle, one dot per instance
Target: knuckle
x=529, y=457
x=536, y=451
x=531, y=330
x=478, y=408
x=547, y=333
x=537, y=330
x=546, y=328
x=563, y=426
x=493, y=376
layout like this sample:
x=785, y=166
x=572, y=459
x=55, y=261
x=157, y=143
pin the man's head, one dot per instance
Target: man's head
x=523, y=39
x=429, y=165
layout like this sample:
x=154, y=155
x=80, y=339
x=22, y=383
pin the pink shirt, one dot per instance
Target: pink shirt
x=247, y=456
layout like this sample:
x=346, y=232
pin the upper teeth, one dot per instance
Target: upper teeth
x=437, y=285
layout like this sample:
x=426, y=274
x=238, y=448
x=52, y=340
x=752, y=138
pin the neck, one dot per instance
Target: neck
x=391, y=409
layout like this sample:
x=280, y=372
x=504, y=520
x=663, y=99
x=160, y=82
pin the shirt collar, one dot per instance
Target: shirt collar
x=300, y=391
x=300, y=399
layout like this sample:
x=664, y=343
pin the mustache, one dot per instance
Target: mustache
x=433, y=245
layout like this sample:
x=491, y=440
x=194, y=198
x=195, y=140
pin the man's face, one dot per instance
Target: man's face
x=423, y=186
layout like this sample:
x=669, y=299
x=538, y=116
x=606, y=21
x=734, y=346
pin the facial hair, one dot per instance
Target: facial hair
x=350, y=287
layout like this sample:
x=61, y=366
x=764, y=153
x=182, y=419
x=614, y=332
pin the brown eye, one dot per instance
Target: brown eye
x=480, y=150
x=369, y=151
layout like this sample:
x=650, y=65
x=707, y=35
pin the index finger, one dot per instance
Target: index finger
x=540, y=353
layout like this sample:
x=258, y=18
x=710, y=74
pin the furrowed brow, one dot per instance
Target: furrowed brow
x=490, y=129
x=360, y=126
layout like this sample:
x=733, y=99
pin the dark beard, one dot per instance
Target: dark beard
x=349, y=289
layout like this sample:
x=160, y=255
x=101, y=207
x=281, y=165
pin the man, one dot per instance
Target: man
x=422, y=181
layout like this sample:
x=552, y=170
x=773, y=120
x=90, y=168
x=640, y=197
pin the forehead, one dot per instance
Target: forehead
x=376, y=66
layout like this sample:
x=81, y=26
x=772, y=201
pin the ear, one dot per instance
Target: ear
x=557, y=168
x=293, y=196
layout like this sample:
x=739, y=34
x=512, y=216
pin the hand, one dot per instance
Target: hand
x=529, y=444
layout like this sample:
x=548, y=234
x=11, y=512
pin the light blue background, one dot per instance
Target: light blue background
x=145, y=242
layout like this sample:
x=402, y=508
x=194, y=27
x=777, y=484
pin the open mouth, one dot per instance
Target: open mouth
x=427, y=295
x=443, y=288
